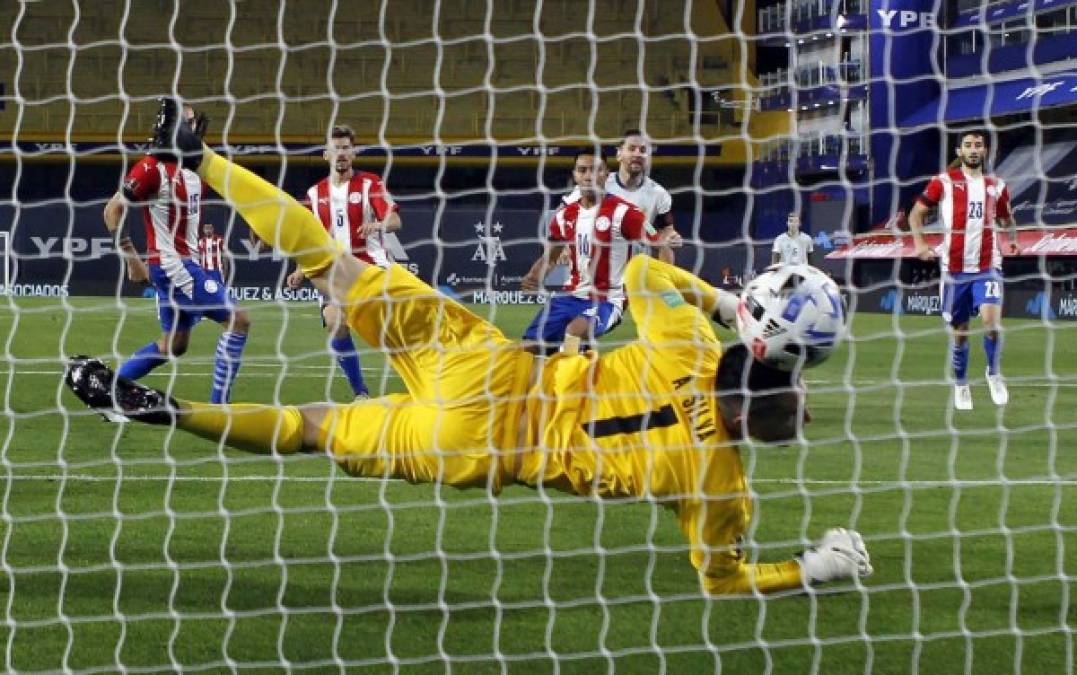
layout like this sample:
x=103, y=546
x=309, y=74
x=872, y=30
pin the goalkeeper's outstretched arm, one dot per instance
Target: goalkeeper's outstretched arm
x=714, y=526
x=672, y=307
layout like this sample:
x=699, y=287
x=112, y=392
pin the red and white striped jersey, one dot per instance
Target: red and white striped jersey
x=211, y=253
x=344, y=208
x=599, y=240
x=969, y=209
x=171, y=198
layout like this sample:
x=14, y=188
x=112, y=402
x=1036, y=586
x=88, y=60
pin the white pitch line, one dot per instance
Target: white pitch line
x=1064, y=482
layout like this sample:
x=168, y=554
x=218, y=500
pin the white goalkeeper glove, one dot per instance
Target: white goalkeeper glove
x=725, y=313
x=840, y=554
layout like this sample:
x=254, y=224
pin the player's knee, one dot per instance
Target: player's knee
x=312, y=416
x=177, y=345
x=331, y=316
x=241, y=321
x=578, y=327
x=340, y=331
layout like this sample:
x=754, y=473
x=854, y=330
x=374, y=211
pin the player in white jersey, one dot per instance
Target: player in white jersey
x=971, y=207
x=791, y=247
x=631, y=183
x=171, y=201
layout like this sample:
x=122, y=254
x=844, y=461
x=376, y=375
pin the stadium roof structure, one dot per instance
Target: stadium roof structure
x=993, y=99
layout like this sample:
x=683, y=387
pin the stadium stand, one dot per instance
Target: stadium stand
x=345, y=69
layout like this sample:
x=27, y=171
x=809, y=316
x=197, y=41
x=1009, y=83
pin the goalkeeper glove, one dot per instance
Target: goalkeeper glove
x=725, y=314
x=840, y=554
x=172, y=136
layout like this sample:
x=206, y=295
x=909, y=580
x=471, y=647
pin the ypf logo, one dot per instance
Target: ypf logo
x=905, y=18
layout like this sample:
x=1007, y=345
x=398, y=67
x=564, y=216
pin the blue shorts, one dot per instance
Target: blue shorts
x=188, y=295
x=964, y=293
x=551, y=321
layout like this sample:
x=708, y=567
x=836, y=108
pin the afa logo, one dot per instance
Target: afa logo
x=1040, y=306
x=489, y=249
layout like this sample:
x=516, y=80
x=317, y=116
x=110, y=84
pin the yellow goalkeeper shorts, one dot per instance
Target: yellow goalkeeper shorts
x=466, y=386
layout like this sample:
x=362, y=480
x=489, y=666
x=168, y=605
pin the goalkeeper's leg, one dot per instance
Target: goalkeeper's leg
x=283, y=223
x=425, y=334
x=389, y=437
x=273, y=215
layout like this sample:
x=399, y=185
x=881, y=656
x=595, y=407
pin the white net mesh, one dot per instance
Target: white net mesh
x=137, y=548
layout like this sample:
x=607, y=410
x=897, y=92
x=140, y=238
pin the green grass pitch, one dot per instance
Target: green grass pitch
x=126, y=546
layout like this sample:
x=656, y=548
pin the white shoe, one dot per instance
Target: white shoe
x=359, y=398
x=840, y=554
x=962, y=397
x=999, y=393
x=115, y=418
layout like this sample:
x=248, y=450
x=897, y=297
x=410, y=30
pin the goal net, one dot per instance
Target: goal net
x=146, y=548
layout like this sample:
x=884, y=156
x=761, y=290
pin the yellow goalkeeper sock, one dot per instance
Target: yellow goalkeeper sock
x=255, y=428
x=277, y=218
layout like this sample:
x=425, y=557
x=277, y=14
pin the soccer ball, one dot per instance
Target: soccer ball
x=791, y=316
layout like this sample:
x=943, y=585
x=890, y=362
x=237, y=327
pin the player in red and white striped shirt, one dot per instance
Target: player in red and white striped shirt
x=631, y=183
x=212, y=253
x=357, y=211
x=598, y=230
x=971, y=207
x=171, y=200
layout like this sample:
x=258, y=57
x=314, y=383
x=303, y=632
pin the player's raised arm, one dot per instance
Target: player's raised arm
x=671, y=308
x=648, y=278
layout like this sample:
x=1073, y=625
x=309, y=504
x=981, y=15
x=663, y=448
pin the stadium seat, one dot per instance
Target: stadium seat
x=358, y=56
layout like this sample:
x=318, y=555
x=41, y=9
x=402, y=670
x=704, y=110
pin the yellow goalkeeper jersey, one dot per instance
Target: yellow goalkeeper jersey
x=643, y=420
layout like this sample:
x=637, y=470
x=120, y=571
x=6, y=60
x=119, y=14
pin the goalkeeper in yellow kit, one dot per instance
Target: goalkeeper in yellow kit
x=657, y=418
